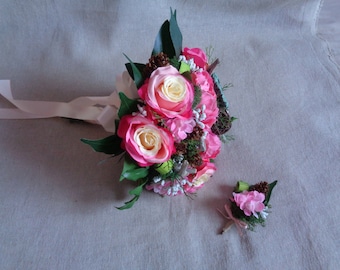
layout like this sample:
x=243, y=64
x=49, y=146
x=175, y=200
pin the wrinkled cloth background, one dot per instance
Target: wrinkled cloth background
x=57, y=205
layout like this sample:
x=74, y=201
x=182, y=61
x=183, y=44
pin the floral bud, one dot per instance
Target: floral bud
x=165, y=167
x=241, y=186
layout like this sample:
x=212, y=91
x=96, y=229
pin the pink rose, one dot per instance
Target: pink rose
x=208, y=98
x=209, y=106
x=213, y=147
x=146, y=143
x=204, y=80
x=180, y=127
x=198, y=55
x=203, y=175
x=251, y=202
x=168, y=93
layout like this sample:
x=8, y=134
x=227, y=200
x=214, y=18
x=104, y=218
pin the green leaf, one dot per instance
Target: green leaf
x=175, y=63
x=109, y=145
x=187, y=75
x=127, y=105
x=136, y=191
x=271, y=186
x=163, y=42
x=184, y=68
x=135, y=70
x=169, y=38
x=175, y=33
x=132, y=171
x=128, y=204
x=197, y=96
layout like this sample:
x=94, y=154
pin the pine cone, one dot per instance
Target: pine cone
x=261, y=187
x=181, y=148
x=223, y=122
x=196, y=134
x=196, y=161
x=156, y=61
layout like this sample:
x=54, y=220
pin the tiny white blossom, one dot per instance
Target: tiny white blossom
x=264, y=213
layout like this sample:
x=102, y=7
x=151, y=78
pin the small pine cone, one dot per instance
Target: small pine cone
x=223, y=123
x=196, y=134
x=196, y=161
x=181, y=148
x=261, y=187
x=156, y=61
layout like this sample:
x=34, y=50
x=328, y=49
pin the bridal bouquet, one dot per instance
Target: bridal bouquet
x=171, y=119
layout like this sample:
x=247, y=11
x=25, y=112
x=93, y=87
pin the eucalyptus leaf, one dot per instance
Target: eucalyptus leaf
x=127, y=105
x=109, y=145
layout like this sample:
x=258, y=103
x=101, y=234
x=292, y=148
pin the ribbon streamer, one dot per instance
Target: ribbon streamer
x=96, y=110
x=232, y=220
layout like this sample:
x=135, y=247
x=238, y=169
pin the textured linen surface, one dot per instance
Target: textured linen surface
x=58, y=203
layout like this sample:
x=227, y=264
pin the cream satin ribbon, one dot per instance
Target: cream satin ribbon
x=97, y=110
x=232, y=220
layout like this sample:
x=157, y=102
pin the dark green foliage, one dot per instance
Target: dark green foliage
x=136, y=72
x=136, y=193
x=131, y=171
x=197, y=96
x=269, y=193
x=109, y=145
x=127, y=105
x=169, y=38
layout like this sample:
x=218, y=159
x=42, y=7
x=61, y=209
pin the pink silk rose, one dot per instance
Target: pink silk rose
x=209, y=103
x=204, y=80
x=146, y=143
x=203, y=175
x=168, y=93
x=208, y=98
x=198, y=55
x=251, y=202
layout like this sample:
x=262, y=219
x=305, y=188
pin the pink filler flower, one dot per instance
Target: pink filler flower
x=251, y=202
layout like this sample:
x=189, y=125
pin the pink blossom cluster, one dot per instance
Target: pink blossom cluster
x=251, y=202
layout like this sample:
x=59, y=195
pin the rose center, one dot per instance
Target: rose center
x=148, y=139
x=173, y=89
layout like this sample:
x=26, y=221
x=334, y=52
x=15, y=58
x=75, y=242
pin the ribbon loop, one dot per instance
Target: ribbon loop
x=97, y=110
